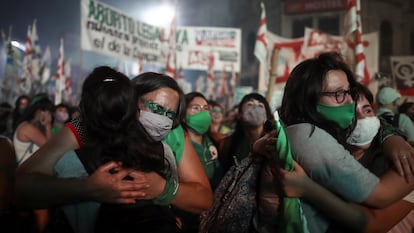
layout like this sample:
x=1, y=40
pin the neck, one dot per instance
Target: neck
x=195, y=137
x=253, y=134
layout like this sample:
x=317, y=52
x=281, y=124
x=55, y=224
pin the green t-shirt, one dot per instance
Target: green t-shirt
x=208, y=155
x=175, y=139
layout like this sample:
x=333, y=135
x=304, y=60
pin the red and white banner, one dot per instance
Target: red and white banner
x=403, y=73
x=293, y=51
x=60, y=74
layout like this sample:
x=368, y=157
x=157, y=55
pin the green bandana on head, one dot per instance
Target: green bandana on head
x=341, y=115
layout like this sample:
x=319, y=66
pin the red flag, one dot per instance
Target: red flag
x=353, y=38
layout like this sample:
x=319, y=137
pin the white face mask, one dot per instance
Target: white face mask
x=157, y=126
x=254, y=116
x=364, y=132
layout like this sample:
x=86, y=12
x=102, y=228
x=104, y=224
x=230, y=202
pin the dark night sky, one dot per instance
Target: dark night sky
x=61, y=18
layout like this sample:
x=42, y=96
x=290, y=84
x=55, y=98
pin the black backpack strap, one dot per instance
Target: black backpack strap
x=396, y=121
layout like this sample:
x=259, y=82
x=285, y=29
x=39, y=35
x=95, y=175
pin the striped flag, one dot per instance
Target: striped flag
x=260, y=48
x=353, y=39
x=36, y=53
x=60, y=75
x=46, y=66
x=261, y=52
x=25, y=83
x=67, y=90
x=170, y=68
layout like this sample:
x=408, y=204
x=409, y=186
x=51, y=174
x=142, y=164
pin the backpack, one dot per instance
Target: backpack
x=391, y=119
x=236, y=205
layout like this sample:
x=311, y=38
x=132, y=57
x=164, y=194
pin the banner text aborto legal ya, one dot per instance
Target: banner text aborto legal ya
x=109, y=31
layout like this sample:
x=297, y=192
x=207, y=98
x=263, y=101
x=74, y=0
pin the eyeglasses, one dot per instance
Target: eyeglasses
x=158, y=109
x=339, y=95
x=198, y=108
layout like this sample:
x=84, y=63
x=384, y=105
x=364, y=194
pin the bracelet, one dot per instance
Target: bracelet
x=170, y=191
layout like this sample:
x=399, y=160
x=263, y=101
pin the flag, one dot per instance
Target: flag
x=67, y=90
x=171, y=57
x=402, y=68
x=260, y=48
x=60, y=75
x=36, y=53
x=25, y=83
x=46, y=66
x=353, y=39
x=260, y=51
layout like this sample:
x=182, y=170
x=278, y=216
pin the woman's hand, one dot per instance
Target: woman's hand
x=265, y=145
x=108, y=184
x=296, y=182
x=402, y=155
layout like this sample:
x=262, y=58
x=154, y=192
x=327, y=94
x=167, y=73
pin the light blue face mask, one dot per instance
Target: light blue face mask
x=341, y=115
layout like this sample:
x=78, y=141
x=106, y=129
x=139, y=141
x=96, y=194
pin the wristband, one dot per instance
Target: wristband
x=170, y=191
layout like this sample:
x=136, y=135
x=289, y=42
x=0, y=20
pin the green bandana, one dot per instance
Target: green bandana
x=341, y=115
x=199, y=122
x=293, y=218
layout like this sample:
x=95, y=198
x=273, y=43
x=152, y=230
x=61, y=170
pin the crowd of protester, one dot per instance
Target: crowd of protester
x=140, y=154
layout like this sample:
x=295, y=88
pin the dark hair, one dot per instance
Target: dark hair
x=150, y=81
x=41, y=102
x=303, y=90
x=108, y=110
x=403, y=108
x=188, y=98
x=5, y=112
x=17, y=113
x=361, y=89
x=239, y=133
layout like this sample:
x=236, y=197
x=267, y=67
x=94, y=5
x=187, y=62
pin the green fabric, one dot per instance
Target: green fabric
x=293, y=219
x=207, y=153
x=175, y=139
x=170, y=191
x=342, y=114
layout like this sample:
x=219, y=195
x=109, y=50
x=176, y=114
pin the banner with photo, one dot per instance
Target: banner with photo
x=109, y=31
x=402, y=68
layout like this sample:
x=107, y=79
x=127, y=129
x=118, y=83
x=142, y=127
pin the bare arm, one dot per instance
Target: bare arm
x=37, y=187
x=356, y=217
x=194, y=193
x=401, y=153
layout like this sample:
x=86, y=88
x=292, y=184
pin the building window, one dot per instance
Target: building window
x=329, y=25
x=299, y=26
x=386, y=38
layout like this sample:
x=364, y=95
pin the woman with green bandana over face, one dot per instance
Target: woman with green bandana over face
x=318, y=109
x=196, y=123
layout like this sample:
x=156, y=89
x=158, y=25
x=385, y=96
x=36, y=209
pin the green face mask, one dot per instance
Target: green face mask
x=199, y=122
x=342, y=115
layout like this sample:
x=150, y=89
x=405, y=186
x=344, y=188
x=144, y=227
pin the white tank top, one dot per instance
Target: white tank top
x=22, y=149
